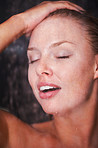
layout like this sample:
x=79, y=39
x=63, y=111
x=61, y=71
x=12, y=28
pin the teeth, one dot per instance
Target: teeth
x=42, y=88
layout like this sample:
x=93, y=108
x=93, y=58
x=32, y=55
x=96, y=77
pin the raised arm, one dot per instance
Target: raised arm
x=25, y=22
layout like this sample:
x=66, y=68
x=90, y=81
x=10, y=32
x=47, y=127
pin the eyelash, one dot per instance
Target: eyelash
x=63, y=57
x=31, y=62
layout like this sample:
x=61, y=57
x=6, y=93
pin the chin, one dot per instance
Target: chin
x=53, y=110
x=49, y=109
x=58, y=110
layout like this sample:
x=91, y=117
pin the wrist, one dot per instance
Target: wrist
x=24, y=20
x=20, y=21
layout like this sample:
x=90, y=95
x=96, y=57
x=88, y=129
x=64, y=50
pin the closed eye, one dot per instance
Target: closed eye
x=31, y=62
x=63, y=57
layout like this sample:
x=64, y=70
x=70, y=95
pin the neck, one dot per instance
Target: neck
x=79, y=128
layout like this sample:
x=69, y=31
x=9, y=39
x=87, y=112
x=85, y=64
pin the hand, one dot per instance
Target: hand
x=25, y=22
x=35, y=15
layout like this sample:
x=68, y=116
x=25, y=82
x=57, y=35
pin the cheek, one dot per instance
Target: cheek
x=76, y=79
x=77, y=73
x=31, y=77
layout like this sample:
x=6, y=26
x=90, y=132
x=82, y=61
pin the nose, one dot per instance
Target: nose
x=44, y=68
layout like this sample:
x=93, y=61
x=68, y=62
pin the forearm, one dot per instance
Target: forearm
x=25, y=22
x=10, y=30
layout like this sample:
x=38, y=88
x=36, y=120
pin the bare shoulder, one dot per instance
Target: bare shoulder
x=12, y=130
x=16, y=133
x=3, y=131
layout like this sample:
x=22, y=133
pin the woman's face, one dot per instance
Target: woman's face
x=61, y=65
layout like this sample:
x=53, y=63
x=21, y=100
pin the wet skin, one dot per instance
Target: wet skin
x=61, y=58
x=60, y=55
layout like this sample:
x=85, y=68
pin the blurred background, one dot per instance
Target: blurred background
x=15, y=92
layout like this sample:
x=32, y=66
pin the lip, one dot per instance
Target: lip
x=49, y=94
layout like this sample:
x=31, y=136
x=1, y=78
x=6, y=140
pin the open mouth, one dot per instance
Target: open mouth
x=46, y=89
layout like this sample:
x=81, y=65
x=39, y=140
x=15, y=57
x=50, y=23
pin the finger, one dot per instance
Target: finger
x=63, y=4
x=36, y=14
x=75, y=6
x=71, y=6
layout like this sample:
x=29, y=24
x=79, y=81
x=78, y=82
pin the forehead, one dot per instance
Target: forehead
x=56, y=29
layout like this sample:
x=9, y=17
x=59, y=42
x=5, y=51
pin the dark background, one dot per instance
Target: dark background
x=15, y=92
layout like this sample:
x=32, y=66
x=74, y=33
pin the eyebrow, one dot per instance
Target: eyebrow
x=61, y=42
x=53, y=45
